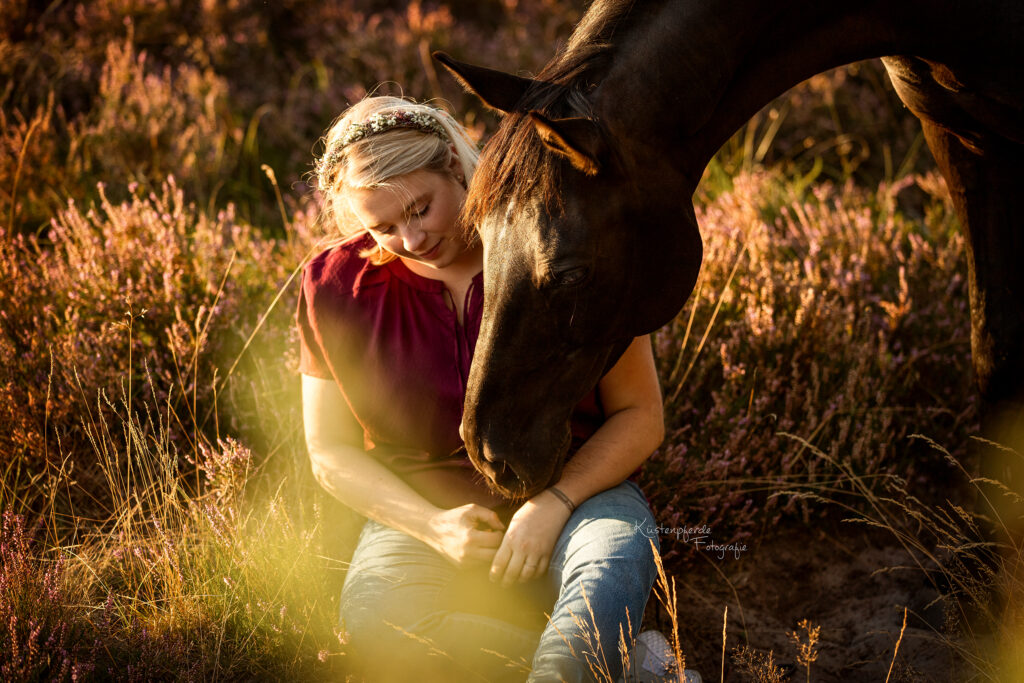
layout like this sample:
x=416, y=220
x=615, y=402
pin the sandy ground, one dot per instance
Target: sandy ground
x=852, y=582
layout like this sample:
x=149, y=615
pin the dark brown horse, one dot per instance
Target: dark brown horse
x=583, y=194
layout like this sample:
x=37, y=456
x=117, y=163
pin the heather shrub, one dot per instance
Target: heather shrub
x=166, y=121
x=38, y=635
x=130, y=339
x=148, y=288
x=826, y=314
x=209, y=92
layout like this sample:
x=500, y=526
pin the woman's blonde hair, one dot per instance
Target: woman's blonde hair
x=373, y=159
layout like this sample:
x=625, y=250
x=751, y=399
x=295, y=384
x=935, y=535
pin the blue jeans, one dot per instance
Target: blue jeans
x=413, y=615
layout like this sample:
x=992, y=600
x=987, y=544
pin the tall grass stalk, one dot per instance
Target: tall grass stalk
x=896, y=650
x=17, y=172
x=725, y=622
x=807, y=652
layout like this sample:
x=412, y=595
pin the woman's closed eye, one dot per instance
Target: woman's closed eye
x=419, y=212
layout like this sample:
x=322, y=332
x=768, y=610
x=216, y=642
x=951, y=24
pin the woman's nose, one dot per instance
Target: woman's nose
x=413, y=237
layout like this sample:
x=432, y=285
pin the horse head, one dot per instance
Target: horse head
x=583, y=251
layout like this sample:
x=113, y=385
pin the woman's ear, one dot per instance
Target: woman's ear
x=455, y=167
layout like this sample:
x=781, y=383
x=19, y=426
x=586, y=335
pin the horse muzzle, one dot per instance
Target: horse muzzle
x=519, y=479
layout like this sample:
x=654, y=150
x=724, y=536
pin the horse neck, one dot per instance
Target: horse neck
x=702, y=68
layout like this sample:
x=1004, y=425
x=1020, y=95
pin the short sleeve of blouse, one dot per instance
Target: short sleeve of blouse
x=311, y=354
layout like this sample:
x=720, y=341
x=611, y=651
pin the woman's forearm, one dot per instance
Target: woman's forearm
x=625, y=440
x=635, y=426
x=362, y=483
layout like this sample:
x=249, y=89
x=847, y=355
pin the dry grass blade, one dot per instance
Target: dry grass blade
x=17, y=173
x=725, y=622
x=665, y=591
x=708, y=327
x=897, y=649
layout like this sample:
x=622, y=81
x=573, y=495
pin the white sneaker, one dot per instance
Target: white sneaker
x=653, y=661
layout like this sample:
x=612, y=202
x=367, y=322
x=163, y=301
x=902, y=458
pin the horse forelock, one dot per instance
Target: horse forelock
x=515, y=166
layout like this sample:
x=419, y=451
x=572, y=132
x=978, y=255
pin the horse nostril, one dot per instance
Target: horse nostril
x=492, y=457
x=498, y=463
x=505, y=475
x=502, y=472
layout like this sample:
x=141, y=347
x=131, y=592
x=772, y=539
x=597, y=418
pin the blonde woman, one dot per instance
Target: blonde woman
x=448, y=581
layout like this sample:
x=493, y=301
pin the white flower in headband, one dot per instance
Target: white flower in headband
x=380, y=123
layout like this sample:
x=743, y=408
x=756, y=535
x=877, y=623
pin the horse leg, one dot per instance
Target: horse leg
x=987, y=187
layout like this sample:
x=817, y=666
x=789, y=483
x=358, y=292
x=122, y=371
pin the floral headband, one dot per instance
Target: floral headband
x=380, y=123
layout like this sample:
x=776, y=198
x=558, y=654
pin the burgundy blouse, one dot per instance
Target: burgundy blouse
x=392, y=341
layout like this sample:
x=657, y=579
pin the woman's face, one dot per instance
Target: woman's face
x=415, y=217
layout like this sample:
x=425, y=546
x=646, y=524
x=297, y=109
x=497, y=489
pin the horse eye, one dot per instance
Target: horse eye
x=570, y=276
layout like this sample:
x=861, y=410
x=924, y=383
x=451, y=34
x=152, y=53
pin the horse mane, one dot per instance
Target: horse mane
x=515, y=163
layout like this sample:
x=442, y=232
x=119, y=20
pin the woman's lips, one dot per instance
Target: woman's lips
x=427, y=255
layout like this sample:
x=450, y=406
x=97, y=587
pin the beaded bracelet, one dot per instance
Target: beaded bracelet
x=564, y=498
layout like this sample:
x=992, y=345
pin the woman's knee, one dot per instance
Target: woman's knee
x=619, y=534
x=392, y=578
x=610, y=544
x=375, y=608
x=396, y=635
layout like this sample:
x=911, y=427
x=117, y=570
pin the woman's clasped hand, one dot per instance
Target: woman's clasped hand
x=526, y=548
x=468, y=534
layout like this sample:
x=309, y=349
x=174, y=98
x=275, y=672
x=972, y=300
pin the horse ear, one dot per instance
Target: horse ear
x=497, y=89
x=577, y=139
